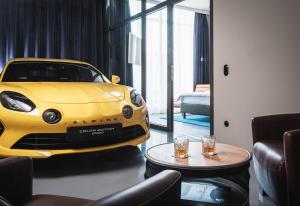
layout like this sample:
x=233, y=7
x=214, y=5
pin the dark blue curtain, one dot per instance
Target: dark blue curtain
x=71, y=29
x=119, y=11
x=201, y=50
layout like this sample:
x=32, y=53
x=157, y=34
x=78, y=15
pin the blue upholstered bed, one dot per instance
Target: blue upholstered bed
x=195, y=103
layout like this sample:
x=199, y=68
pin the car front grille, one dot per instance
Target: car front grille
x=57, y=141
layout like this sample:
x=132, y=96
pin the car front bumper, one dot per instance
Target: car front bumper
x=6, y=152
x=19, y=126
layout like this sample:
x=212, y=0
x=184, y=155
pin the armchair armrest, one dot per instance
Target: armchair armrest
x=292, y=159
x=16, y=179
x=161, y=189
x=274, y=126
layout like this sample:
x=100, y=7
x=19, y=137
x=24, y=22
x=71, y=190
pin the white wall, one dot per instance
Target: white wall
x=260, y=41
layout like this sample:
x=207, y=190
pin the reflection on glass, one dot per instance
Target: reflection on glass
x=156, y=54
x=117, y=52
x=134, y=53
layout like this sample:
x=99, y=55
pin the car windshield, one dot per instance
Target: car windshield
x=51, y=72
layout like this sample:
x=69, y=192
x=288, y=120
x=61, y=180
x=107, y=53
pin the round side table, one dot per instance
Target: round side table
x=230, y=165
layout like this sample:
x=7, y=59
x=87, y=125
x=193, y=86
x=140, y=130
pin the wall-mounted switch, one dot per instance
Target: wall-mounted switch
x=226, y=123
x=226, y=70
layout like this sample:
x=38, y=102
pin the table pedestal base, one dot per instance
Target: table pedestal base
x=236, y=178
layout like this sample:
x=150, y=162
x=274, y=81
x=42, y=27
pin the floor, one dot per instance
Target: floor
x=96, y=175
x=180, y=127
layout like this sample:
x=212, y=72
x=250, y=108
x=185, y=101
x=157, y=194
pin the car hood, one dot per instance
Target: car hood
x=68, y=93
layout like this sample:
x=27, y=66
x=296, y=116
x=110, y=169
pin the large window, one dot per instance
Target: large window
x=156, y=58
x=183, y=51
x=135, y=7
x=155, y=52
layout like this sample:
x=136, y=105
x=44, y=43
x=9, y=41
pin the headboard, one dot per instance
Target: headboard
x=202, y=88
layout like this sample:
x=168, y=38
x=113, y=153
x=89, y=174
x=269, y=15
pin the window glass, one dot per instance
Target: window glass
x=135, y=7
x=156, y=69
x=134, y=53
x=51, y=72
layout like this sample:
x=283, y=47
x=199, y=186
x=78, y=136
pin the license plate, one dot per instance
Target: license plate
x=97, y=132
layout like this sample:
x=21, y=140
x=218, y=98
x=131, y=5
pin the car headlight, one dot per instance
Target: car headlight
x=16, y=101
x=136, y=98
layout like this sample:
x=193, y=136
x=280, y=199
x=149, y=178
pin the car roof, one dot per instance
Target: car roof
x=46, y=60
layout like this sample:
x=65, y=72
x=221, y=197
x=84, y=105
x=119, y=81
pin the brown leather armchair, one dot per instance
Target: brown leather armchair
x=16, y=186
x=276, y=157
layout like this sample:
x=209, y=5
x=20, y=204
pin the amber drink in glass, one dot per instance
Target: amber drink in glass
x=208, y=146
x=181, y=147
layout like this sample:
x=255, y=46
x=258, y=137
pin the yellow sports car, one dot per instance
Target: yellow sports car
x=51, y=107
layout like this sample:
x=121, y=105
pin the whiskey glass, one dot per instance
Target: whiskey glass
x=208, y=146
x=181, y=147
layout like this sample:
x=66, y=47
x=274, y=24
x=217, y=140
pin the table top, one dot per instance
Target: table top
x=227, y=156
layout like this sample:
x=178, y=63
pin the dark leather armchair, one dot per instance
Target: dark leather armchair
x=276, y=157
x=16, y=187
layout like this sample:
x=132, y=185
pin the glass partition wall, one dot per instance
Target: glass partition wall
x=144, y=38
x=142, y=58
x=156, y=67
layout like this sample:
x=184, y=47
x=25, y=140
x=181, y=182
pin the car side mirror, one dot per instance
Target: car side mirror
x=115, y=79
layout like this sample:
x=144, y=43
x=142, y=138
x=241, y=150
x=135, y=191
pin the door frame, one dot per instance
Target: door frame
x=169, y=4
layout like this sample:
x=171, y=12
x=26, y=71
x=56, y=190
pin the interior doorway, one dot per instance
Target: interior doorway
x=192, y=110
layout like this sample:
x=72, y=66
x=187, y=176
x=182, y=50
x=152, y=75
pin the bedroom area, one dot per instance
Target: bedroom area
x=189, y=111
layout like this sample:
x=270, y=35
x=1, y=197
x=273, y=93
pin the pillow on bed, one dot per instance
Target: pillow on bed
x=4, y=202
